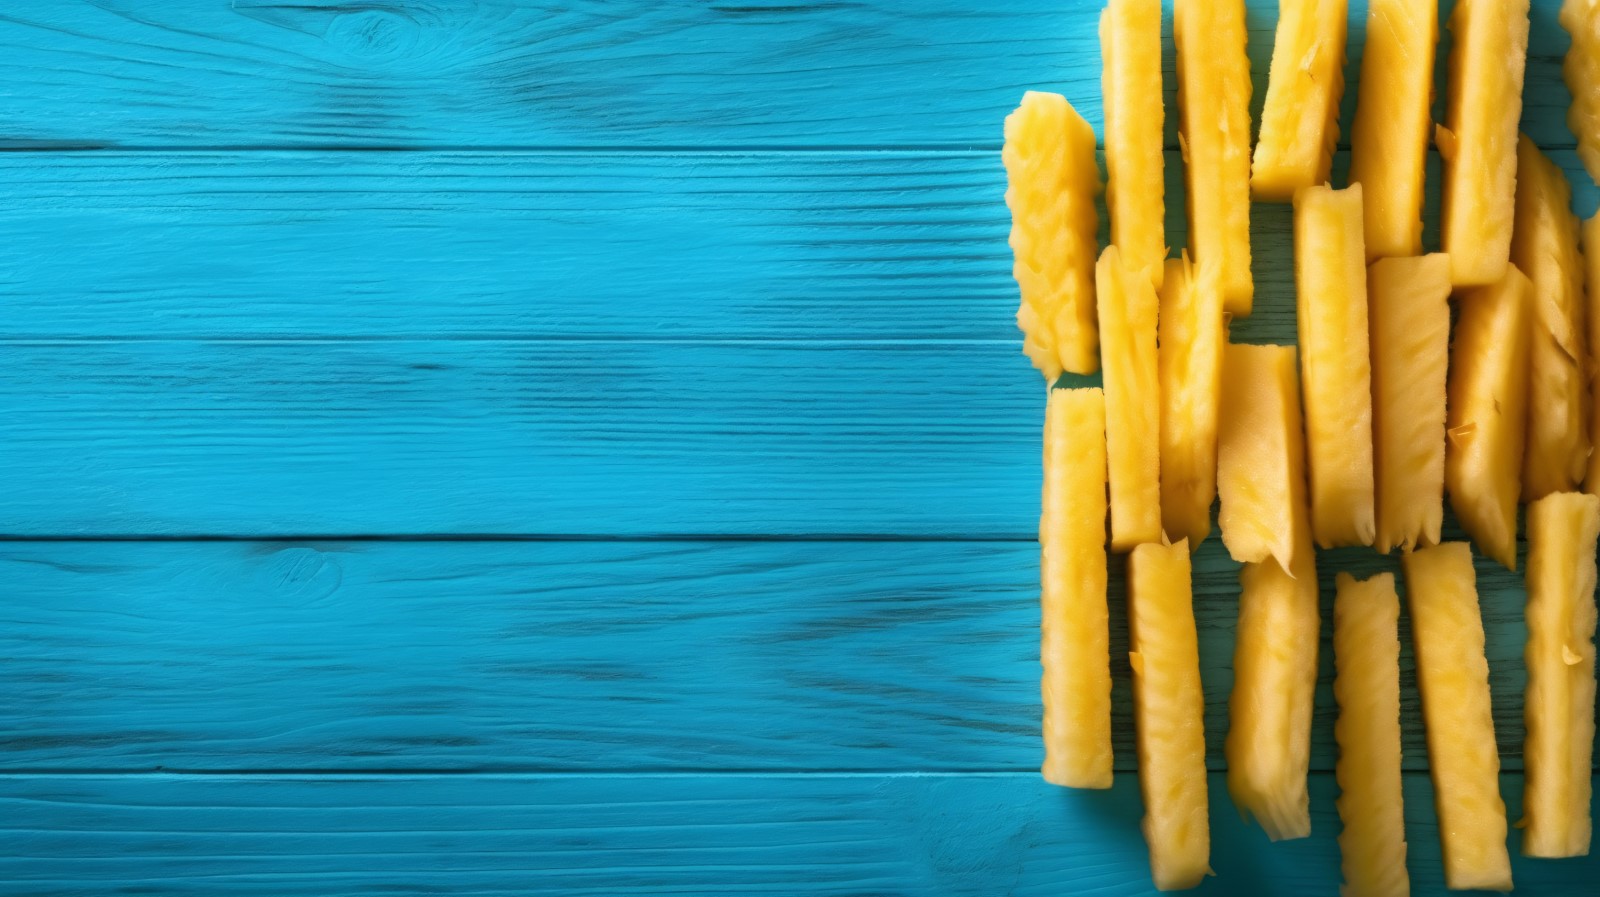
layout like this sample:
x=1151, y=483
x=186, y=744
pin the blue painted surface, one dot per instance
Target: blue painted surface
x=499, y=447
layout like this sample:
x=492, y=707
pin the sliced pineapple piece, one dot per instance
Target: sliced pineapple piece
x=1300, y=121
x=1409, y=301
x=1545, y=247
x=1335, y=363
x=1261, y=456
x=1478, y=142
x=1591, y=275
x=1453, y=677
x=1581, y=18
x=1488, y=403
x=1366, y=653
x=1130, y=44
x=1214, y=134
x=1074, y=644
x=1128, y=308
x=1389, y=140
x=1192, y=333
x=1053, y=178
x=1168, y=711
x=1559, y=707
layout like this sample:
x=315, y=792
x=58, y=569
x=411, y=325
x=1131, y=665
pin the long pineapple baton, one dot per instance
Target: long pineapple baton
x=1192, y=332
x=1581, y=68
x=1300, y=119
x=1591, y=280
x=1389, y=140
x=1074, y=646
x=1559, y=707
x=1261, y=456
x=1128, y=309
x=1130, y=44
x=1453, y=677
x=1053, y=181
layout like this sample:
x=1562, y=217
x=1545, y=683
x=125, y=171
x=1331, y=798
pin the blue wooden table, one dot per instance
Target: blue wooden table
x=482, y=447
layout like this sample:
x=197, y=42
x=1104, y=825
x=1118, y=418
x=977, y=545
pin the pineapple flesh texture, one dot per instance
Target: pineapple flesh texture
x=1192, y=333
x=1366, y=654
x=1487, y=409
x=1214, y=136
x=1052, y=184
x=1261, y=456
x=1409, y=307
x=1453, y=677
x=1335, y=362
x=1581, y=18
x=1300, y=120
x=1130, y=44
x=1074, y=646
x=1544, y=246
x=1169, y=709
x=1591, y=269
x=1478, y=142
x=1128, y=309
x=1559, y=705
x=1389, y=140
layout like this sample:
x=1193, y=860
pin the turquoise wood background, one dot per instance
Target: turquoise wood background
x=490, y=448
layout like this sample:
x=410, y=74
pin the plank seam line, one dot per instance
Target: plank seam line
x=942, y=149
x=520, y=537
x=576, y=774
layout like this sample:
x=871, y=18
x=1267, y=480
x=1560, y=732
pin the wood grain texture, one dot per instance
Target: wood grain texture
x=580, y=656
x=497, y=836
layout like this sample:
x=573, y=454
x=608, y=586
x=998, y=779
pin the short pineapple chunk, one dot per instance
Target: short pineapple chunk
x=1214, y=134
x=1335, y=363
x=1409, y=304
x=1488, y=402
x=1366, y=653
x=1389, y=140
x=1478, y=142
x=1130, y=44
x=1168, y=712
x=1545, y=247
x=1074, y=648
x=1559, y=707
x=1453, y=677
x=1049, y=159
x=1581, y=18
x=1193, y=332
x=1128, y=308
x=1261, y=476
x=1300, y=121
x=1591, y=275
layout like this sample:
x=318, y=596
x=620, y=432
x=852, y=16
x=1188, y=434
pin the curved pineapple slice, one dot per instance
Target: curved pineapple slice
x=1366, y=653
x=1545, y=247
x=1581, y=18
x=1169, y=709
x=1488, y=403
x=1389, y=140
x=1559, y=708
x=1478, y=142
x=1453, y=677
x=1300, y=120
x=1214, y=135
x=1128, y=308
x=1053, y=181
x=1193, y=331
x=1074, y=642
x=1130, y=44
x=1261, y=477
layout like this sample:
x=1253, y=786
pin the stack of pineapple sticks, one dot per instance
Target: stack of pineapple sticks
x=1185, y=417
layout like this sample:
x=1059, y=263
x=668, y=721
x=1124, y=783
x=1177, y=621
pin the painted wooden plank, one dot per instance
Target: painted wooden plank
x=497, y=73
x=888, y=656
x=633, y=834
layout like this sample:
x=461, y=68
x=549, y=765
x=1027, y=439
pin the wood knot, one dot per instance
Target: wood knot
x=300, y=574
x=373, y=35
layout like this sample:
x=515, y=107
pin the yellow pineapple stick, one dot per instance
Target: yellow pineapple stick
x=1169, y=708
x=1128, y=308
x=1591, y=269
x=1074, y=646
x=1389, y=140
x=1409, y=301
x=1053, y=181
x=1300, y=121
x=1545, y=247
x=1366, y=653
x=1581, y=18
x=1130, y=44
x=1478, y=142
x=1261, y=455
x=1559, y=708
x=1214, y=135
x=1453, y=677
x=1192, y=333
x=1487, y=408
x=1335, y=363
